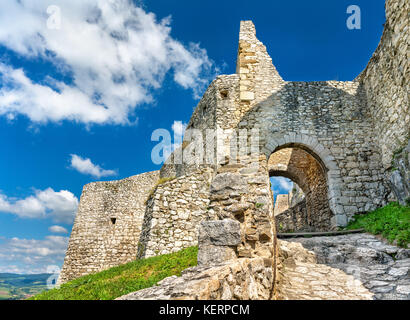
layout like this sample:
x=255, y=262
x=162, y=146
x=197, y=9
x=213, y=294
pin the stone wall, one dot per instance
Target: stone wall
x=386, y=82
x=173, y=213
x=293, y=219
x=107, y=226
x=328, y=119
x=295, y=195
x=281, y=203
x=216, y=110
x=242, y=192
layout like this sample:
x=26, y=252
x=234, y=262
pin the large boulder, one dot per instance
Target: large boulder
x=217, y=241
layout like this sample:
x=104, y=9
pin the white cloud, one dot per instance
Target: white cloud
x=60, y=206
x=115, y=53
x=57, y=229
x=281, y=184
x=30, y=255
x=85, y=166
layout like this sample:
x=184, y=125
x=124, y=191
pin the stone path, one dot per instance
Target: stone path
x=382, y=268
x=301, y=277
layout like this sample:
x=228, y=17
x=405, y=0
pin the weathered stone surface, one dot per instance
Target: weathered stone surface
x=227, y=182
x=242, y=279
x=380, y=267
x=173, y=213
x=217, y=241
x=294, y=219
x=209, y=254
x=225, y=232
x=399, y=178
x=96, y=243
x=301, y=277
x=386, y=83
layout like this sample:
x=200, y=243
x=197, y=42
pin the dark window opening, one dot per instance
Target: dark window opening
x=224, y=94
x=113, y=220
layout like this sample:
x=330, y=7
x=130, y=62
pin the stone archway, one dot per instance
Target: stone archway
x=276, y=141
x=310, y=175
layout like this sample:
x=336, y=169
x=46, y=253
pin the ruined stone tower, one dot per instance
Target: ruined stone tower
x=335, y=139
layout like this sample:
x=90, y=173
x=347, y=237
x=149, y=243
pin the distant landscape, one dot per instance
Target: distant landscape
x=21, y=286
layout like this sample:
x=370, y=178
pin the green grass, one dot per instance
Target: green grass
x=130, y=277
x=391, y=222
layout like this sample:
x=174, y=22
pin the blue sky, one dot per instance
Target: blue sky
x=80, y=97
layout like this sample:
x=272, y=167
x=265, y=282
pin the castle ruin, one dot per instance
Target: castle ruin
x=335, y=139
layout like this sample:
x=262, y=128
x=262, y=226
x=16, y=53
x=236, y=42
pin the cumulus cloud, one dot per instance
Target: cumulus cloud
x=85, y=166
x=30, y=255
x=57, y=229
x=114, y=52
x=60, y=206
x=285, y=183
x=281, y=185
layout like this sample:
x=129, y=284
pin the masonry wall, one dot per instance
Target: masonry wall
x=173, y=213
x=386, y=82
x=96, y=243
x=281, y=203
x=331, y=115
x=216, y=110
x=293, y=219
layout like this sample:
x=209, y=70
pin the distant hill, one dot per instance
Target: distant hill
x=22, y=286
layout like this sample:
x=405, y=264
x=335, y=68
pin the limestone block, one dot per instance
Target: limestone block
x=225, y=232
x=227, y=181
x=247, y=96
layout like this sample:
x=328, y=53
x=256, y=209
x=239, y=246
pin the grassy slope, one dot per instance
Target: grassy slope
x=391, y=222
x=130, y=277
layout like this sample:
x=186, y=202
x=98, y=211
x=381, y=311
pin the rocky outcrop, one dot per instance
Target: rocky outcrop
x=242, y=279
x=382, y=268
x=399, y=176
